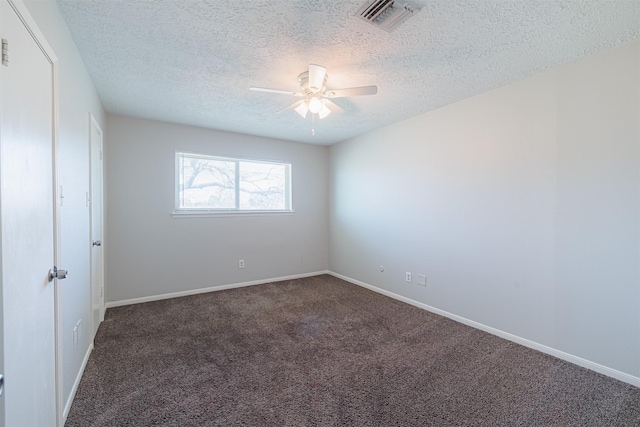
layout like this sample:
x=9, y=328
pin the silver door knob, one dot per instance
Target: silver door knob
x=54, y=273
x=96, y=243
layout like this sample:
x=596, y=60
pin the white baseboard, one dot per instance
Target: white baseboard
x=613, y=373
x=111, y=304
x=76, y=383
x=596, y=367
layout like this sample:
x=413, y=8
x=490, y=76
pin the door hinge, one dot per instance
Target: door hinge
x=5, y=52
x=100, y=154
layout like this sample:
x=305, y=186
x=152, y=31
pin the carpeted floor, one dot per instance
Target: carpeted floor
x=322, y=352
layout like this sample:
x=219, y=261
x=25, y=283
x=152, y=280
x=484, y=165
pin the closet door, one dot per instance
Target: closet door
x=28, y=226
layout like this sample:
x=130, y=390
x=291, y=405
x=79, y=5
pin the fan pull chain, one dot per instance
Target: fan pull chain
x=313, y=124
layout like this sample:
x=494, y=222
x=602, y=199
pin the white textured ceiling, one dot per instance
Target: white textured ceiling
x=192, y=61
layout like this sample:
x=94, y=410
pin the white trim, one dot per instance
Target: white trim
x=613, y=373
x=111, y=304
x=226, y=214
x=23, y=12
x=94, y=125
x=76, y=383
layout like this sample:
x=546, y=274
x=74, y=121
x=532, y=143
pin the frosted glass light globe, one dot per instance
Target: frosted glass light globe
x=315, y=105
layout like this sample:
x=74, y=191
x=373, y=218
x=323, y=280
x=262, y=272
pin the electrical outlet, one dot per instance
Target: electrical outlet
x=407, y=277
x=422, y=280
x=241, y=263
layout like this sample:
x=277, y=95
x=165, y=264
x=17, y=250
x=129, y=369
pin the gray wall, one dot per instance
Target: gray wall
x=149, y=253
x=521, y=205
x=77, y=98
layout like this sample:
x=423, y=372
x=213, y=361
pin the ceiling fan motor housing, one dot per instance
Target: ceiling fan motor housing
x=303, y=79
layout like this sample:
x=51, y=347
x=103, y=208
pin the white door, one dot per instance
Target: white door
x=97, y=257
x=1, y=353
x=27, y=224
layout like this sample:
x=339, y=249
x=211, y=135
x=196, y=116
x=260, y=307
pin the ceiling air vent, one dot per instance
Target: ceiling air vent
x=385, y=14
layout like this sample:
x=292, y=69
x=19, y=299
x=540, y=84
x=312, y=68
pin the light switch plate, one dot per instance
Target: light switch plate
x=422, y=280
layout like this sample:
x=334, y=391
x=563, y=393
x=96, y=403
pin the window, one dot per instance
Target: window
x=208, y=184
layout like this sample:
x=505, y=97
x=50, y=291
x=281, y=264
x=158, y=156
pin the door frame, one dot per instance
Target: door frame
x=23, y=14
x=93, y=124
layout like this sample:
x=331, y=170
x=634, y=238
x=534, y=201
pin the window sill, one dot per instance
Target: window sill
x=211, y=214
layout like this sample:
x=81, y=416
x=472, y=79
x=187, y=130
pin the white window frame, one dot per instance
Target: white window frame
x=180, y=212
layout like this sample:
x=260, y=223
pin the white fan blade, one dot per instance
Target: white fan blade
x=300, y=107
x=316, y=77
x=332, y=106
x=278, y=91
x=291, y=107
x=351, y=91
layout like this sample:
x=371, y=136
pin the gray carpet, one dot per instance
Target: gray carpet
x=322, y=352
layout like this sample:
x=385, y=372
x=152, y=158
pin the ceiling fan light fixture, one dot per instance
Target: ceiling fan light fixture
x=324, y=112
x=315, y=97
x=302, y=109
x=315, y=105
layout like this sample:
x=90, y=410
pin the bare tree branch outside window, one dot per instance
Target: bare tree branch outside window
x=220, y=183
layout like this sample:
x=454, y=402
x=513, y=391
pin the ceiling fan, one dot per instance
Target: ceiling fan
x=313, y=85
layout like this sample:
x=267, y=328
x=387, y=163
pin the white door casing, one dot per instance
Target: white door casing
x=28, y=222
x=96, y=198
